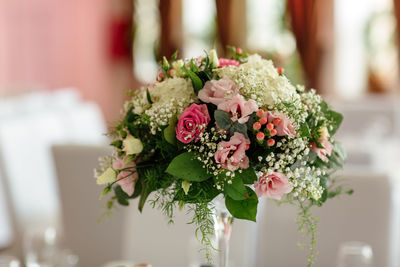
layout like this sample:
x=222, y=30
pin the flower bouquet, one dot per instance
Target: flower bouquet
x=233, y=127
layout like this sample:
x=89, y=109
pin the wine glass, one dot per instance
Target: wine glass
x=355, y=254
x=43, y=249
x=9, y=261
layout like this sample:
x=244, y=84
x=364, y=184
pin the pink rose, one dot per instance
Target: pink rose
x=126, y=178
x=283, y=124
x=192, y=122
x=231, y=155
x=227, y=62
x=239, y=108
x=273, y=186
x=217, y=91
x=322, y=152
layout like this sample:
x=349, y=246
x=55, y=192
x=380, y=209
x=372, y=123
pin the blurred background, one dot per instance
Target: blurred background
x=65, y=67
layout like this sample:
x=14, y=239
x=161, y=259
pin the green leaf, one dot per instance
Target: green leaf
x=207, y=62
x=122, y=197
x=148, y=96
x=169, y=132
x=117, y=144
x=305, y=131
x=109, y=204
x=138, y=189
x=336, y=119
x=223, y=119
x=187, y=167
x=174, y=56
x=248, y=175
x=119, y=192
x=143, y=196
x=123, y=201
x=165, y=64
x=236, y=190
x=197, y=83
x=123, y=134
x=240, y=128
x=339, y=148
x=105, y=191
x=193, y=66
x=243, y=209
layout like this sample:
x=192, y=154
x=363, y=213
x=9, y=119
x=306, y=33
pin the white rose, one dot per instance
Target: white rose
x=108, y=176
x=214, y=58
x=132, y=145
x=177, y=66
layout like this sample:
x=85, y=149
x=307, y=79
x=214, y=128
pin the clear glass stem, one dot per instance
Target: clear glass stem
x=222, y=227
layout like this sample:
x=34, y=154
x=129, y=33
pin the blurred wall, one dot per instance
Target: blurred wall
x=50, y=44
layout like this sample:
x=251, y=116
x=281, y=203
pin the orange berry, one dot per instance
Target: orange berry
x=280, y=71
x=270, y=126
x=263, y=120
x=270, y=142
x=260, y=136
x=239, y=50
x=260, y=113
x=277, y=121
x=257, y=126
x=273, y=132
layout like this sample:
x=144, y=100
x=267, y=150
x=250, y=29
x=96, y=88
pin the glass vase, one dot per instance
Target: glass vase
x=222, y=229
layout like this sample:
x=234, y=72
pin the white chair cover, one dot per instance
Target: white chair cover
x=29, y=125
x=95, y=243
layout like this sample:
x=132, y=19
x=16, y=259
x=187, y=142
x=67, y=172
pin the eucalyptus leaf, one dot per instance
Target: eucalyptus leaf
x=336, y=119
x=340, y=151
x=240, y=128
x=223, y=119
x=186, y=166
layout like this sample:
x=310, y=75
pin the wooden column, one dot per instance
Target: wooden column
x=171, y=27
x=303, y=20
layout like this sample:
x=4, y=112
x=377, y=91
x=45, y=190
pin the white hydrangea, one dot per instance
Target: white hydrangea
x=138, y=101
x=170, y=98
x=258, y=79
x=177, y=88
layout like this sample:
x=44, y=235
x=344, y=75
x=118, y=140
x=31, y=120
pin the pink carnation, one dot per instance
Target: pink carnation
x=231, y=154
x=322, y=152
x=192, y=122
x=274, y=186
x=283, y=124
x=217, y=91
x=227, y=62
x=126, y=178
x=239, y=108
